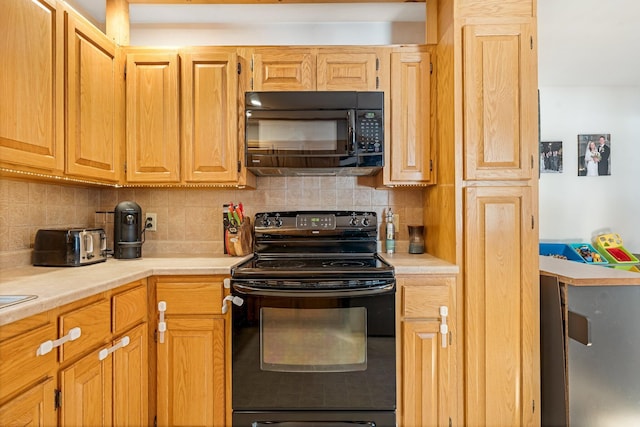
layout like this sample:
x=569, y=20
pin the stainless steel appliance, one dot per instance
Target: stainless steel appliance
x=69, y=247
x=127, y=231
x=314, y=133
x=313, y=332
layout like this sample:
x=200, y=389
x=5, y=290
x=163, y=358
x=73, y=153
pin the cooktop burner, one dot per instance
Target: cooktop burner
x=314, y=245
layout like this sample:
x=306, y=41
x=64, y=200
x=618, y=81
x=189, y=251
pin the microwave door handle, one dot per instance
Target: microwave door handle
x=351, y=118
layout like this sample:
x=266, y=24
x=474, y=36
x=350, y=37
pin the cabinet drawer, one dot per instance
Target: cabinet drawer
x=424, y=301
x=20, y=364
x=129, y=308
x=191, y=298
x=95, y=325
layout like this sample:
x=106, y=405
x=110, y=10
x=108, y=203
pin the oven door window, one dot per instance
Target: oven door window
x=313, y=340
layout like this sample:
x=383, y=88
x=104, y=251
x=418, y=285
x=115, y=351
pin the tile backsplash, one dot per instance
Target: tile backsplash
x=188, y=219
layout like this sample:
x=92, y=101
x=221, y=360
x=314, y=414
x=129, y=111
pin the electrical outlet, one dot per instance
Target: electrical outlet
x=151, y=222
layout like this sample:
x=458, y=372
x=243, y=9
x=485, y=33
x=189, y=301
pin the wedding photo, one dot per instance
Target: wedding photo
x=594, y=154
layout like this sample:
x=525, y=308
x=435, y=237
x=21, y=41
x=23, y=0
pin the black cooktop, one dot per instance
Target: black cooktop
x=312, y=267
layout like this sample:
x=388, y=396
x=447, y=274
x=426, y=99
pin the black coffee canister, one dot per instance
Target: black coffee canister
x=127, y=231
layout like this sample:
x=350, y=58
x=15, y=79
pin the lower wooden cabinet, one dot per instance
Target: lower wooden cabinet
x=96, y=377
x=192, y=366
x=34, y=407
x=426, y=382
x=108, y=385
x=86, y=390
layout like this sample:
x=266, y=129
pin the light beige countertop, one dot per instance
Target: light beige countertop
x=56, y=286
x=405, y=263
x=581, y=274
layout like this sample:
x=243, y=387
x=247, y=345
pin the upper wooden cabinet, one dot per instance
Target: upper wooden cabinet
x=182, y=116
x=409, y=118
x=500, y=99
x=210, y=116
x=304, y=69
x=277, y=69
x=93, y=83
x=410, y=148
x=347, y=71
x=31, y=84
x=152, y=116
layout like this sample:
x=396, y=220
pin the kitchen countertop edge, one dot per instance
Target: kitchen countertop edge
x=57, y=286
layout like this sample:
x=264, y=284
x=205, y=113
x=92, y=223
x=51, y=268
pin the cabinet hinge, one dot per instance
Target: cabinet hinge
x=251, y=84
x=155, y=421
x=239, y=166
x=533, y=406
x=251, y=64
x=377, y=82
x=430, y=165
x=57, y=398
x=430, y=67
x=125, y=167
x=125, y=71
x=531, y=42
x=377, y=64
x=532, y=161
x=450, y=423
x=155, y=335
x=239, y=68
x=533, y=222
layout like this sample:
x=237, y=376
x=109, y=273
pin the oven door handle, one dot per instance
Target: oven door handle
x=314, y=293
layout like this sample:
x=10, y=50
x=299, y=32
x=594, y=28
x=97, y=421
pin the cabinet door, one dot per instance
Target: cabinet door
x=93, y=138
x=426, y=388
x=347, y=71
x=191, y=372
x=153, y=137
x=210, y=116
x=501, y=307
x=410, y=146
x=87, y=392
x=31, y=104
x=130, y=379
x=278, y=70
x=500, y=95
x=21, y=364
x=34, y=407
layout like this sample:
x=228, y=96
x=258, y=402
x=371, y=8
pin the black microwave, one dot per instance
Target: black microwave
x=314, y=133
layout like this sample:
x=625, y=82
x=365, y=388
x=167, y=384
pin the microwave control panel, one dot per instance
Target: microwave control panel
x=370, y=131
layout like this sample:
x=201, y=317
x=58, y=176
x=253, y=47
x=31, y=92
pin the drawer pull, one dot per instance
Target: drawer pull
x=162, y=325
x=107, y=351
x=444, y=328
x=47, y=346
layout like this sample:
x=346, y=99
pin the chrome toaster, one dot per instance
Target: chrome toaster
x=69, y=247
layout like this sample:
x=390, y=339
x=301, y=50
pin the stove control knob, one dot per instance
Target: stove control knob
x=365, y=221
x=278, y=222
x=266, y=222
x=354, y=221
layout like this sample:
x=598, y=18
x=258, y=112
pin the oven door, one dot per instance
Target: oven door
x=314, y=350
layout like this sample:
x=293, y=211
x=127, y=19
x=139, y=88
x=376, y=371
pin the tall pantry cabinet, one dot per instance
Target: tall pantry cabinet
x=487, y=186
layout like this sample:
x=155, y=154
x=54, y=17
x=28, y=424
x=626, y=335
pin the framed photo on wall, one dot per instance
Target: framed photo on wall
x=594, y=154
x=551, y=157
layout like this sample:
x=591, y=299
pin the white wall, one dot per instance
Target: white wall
x=574, y=207
x=283, y=34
